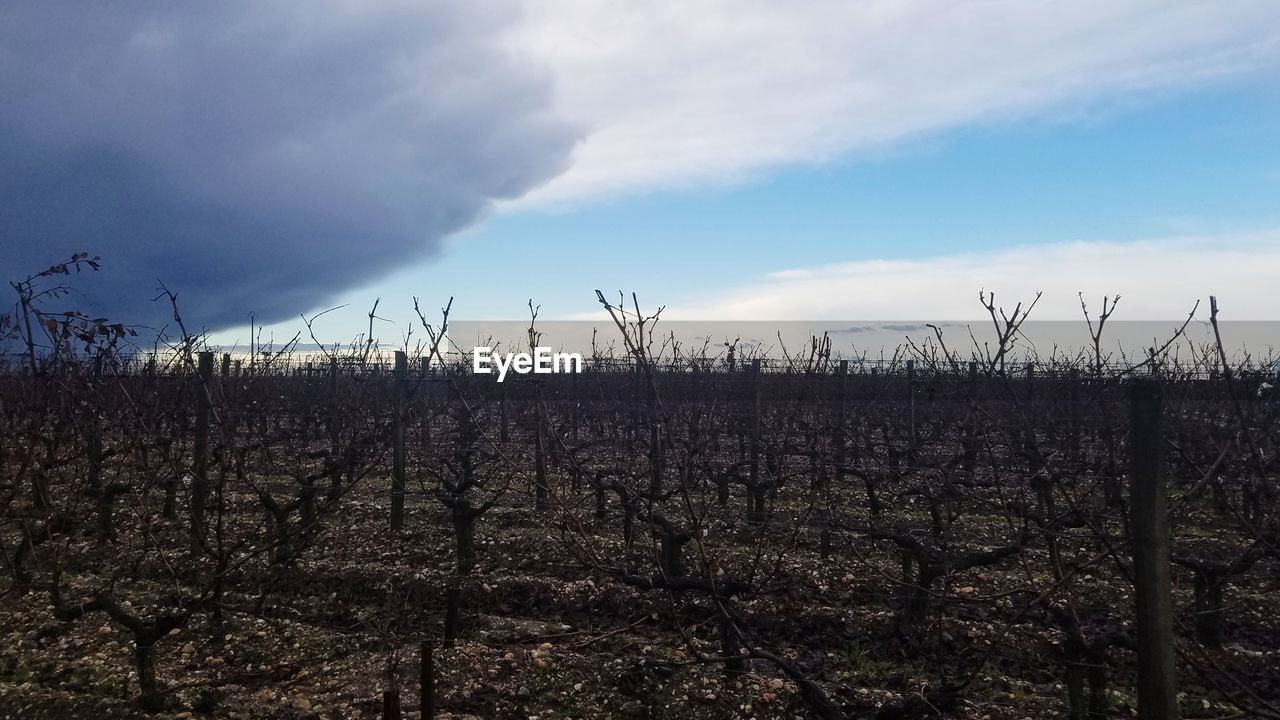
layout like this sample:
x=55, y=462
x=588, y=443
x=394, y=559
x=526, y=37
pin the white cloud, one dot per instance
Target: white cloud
x=1157, y=279
x=680, y=94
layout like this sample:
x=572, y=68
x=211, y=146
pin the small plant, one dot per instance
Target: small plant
x=858, y=660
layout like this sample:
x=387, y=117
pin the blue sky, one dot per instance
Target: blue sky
x=815, y=159
x=1203, y=162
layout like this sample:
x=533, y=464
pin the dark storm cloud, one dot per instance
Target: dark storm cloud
x=253, y=155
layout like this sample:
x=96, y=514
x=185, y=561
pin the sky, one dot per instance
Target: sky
x=882, y=159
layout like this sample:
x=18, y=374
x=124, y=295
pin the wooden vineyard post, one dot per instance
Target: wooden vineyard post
x=838, y=440
x=1157, y=683
x=334, y=430
x=397, y=440
x=574, y=416
x=427, y=680
x=504, y=431
x=1073, y=417
x=1029, y=432
x=200, y=451
x=755, y=493
x=655, y=439
x=452, y=613
x=542, y=491
x=911, y=401
x=424, y=393
x=838, y=432
x=391, y=704
x=1031, y=377
x=969, y=462
x=94, y=454
x=637, y=397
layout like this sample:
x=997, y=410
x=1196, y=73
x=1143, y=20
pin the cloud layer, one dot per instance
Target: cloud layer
x=1158, y=279
x=681, y=94
x=258, y=156
x=265, y=156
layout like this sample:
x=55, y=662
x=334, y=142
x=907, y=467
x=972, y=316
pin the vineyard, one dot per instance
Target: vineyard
x=664, y=535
